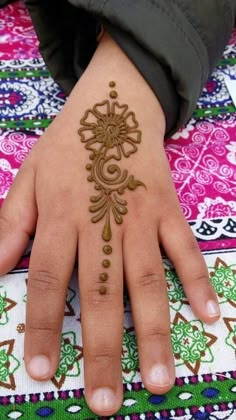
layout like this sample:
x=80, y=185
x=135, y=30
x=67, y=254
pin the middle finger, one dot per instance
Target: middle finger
x=101, y=297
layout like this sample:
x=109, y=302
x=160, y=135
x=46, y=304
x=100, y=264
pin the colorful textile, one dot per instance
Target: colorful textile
x=202, y=157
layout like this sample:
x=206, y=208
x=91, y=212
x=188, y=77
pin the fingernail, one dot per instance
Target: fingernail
x=213, y=308
x=39, y=366
x=103, y=399
x=159, y=375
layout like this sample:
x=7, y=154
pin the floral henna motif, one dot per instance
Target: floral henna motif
x=110, y=132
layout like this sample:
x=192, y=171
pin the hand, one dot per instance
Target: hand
x=51, y=196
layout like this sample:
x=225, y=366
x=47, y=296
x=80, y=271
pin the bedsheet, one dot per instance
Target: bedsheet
x=202, y=157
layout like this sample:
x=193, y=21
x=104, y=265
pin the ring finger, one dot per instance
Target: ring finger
x=147, y=288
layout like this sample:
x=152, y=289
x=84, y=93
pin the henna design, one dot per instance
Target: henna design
x=102, y=290
x=110, y=132
x=113, y=94
x=106, y=263
x=103, y=276
x=107, y=249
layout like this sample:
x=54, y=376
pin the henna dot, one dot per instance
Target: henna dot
x=102, y=290
x=88, y=166
x=113, y=94
x=90, y=178
x=106, y=263
x=92, y=156
x=107, y=249
x=112, y=83
x=103, y=276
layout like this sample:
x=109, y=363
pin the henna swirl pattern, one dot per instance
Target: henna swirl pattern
x=110, y=132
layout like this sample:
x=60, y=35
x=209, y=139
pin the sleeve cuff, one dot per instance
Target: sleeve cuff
x=155, y=75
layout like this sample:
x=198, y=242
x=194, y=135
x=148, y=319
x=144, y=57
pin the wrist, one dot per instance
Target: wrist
x=111, y=63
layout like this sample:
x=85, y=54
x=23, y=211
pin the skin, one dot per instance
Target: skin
x=50, y=196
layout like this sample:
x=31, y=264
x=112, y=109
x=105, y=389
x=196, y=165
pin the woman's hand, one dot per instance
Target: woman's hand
x=51, y=195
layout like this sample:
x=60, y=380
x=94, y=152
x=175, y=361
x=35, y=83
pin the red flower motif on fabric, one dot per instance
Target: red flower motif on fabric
x=219, y=210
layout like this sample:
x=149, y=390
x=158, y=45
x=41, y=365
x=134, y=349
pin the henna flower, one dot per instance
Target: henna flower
x=112, y=127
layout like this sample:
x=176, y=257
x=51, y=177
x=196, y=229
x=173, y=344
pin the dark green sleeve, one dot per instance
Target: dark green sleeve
x=175, y=44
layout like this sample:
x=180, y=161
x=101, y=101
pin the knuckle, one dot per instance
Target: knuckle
x=94, y=299
x=201, y=279
x=41, y=327
x=150, y=280
x=156, y=333
x=64, y=190
x=62, y=211
x=44, y=279
x=104, y=358
x=140, y=209
x=59, y=213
